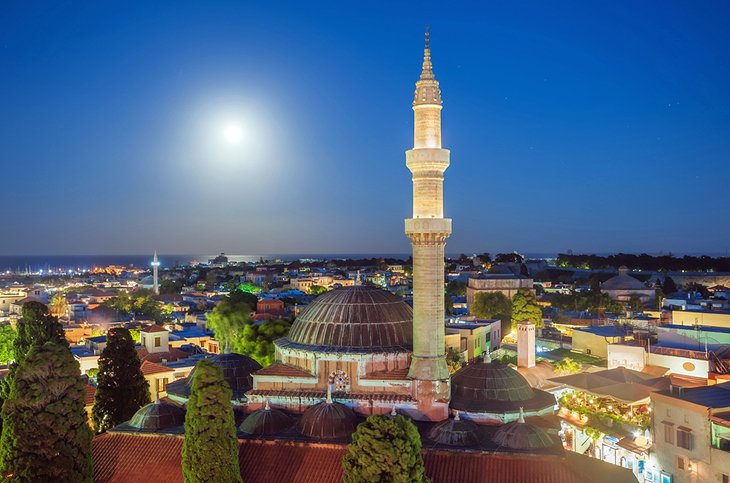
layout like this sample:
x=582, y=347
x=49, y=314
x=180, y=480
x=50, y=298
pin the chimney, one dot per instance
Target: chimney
x=526, y=344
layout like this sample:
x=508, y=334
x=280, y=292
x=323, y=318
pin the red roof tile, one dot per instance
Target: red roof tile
x=149, y=368
x=120, y=457
x=90, y=391
x=279, y=369
x=153, y=328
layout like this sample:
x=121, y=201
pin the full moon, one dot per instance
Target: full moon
x=233, y=133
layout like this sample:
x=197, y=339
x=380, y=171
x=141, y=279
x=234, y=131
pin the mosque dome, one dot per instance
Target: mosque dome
x=236, y=368
x=266, y=422
x=455, y=432
x=353, y=319
x=328, y=420
x=158, y=415
x=492, y=387
x=623, y=281
x=523, y=436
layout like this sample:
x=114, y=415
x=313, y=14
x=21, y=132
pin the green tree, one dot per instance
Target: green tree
x=453, y=360
x=59, y=305
x=669, y=287
x=317, y=289
x=567, y=366
x=257, y=340
x=45, y=436
x=7, y=341
x=635, y=303
x=697, y=287
x=210, y=448
x=384, y=448
x=493, y=305
x=525, y=307
x=171, y=287
x=121, y=387
x=242, y=296
x=227, y=319
x=456, y=288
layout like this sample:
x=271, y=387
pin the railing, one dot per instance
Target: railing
x=673, y=351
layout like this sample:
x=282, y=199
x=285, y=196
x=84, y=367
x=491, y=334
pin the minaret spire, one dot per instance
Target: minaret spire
x=428, y=231
x=155, y=281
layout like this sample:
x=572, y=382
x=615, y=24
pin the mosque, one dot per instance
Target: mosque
x=358, y=351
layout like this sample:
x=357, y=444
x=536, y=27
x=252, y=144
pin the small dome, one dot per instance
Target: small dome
x=455, y=432
x=157, y=416
x=522, y=436
x=266, y=422
x=358, y=318
x=236, y=368
x=328, y=420
x=623, y=281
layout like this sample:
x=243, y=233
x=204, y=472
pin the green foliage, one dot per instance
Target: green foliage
x=384, y=448
x=136, y=335
x=635, y=303
x=493, y=305
x=141, y=304
x=7, y=342
x=592, y=300
x=257, y=340
x=697, y=287
x=453, y=360
x=456, y=288
x=241, y=296
x=121, y=387
x=669, y=287
x=227, y=319
x=210, y=449
x=524, y=307
x=317, y=289
x=567, y=366
x=45, y=435
x=59, y=305
x=248, y=287
x=170, y=286
x=513, y=257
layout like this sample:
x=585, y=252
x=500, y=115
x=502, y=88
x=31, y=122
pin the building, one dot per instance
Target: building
x=707, y=318
x=273, y=307
x=623, y=286
x=473, y=338
x=506, y=283
x=692, y=434
x=595, y=340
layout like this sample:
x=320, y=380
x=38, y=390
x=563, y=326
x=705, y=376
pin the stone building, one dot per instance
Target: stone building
x=506, y=283
x=623, y=286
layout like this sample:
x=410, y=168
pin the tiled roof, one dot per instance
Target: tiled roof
x=150, y=457
x=90, y=391
x=170, y=356
x=395, y=375
x=323, y=395
x=279, y=369
x=153, y=328
x=149, y=368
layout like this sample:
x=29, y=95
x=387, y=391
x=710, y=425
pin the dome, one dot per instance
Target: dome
x=158, y=415
x=492, y=387
x=236, y=369
x=328, y=420
x=524, y=436
x=266, y=422
x=353, y=319
x=455, y=432
x=623, y=281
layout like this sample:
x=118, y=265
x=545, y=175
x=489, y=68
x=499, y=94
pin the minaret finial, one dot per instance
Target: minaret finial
x=456, y=416
x=329, y=394
x=266, y=405
x=522, y=415
x=393, y=412
x=427, y=70
x=227, y=350
x=427, y=36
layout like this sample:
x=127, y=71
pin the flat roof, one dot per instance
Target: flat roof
x=717, y=396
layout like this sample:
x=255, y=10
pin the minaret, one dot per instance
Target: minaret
x=155, y=282
x=428, y=230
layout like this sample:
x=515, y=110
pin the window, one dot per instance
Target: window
x=680, y=462
x=162, y=384
x=684, y=437
x=725, y=478
x=157, y=342
x=668, y=432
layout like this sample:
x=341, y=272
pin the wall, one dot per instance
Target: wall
x=712, y=319
x=628, y=356
x=680, y=365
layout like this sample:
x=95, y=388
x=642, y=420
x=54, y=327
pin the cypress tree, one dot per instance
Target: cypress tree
x=210, y=449
x=384, y=448
x=46, y=436
x=121, y=388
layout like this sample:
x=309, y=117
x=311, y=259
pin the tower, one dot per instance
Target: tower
x=526, y=344
x=428, y=230
x=155, y=282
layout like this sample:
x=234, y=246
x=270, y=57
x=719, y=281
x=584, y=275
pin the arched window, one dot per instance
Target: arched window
x=339, y=382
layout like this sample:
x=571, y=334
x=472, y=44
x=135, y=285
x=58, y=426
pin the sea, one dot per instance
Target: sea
x=64, y=263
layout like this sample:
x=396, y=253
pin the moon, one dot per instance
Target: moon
x=233, y=133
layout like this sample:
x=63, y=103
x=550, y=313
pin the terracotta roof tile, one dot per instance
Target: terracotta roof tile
x=153, y=328
x=120, y=457
x=90, y=391
x=280, y=369
x=149, y=368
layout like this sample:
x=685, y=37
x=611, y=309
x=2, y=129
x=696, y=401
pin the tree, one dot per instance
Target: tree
x=384, y=448
x=7, y=340
x=121, y=387
x=456, y=288
x=227, y=319
x=242, y=296
x=669, y=287
x=59, y=305
x=453, y=360
x=257, y=340
x=45, y=436
x=567, y=366
x=525, y=307
x=317, y=289
x=697, y=287
x=210, y=448
x=636, y=304
x=493, y=305
x=170, y=286
x=513, y=257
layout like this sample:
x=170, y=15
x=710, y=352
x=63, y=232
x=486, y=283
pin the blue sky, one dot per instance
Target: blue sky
x=591, y=126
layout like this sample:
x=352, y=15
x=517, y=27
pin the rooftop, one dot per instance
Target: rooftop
x=717, y=396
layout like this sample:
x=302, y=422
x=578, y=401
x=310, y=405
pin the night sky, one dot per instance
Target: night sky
x=591, y=126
